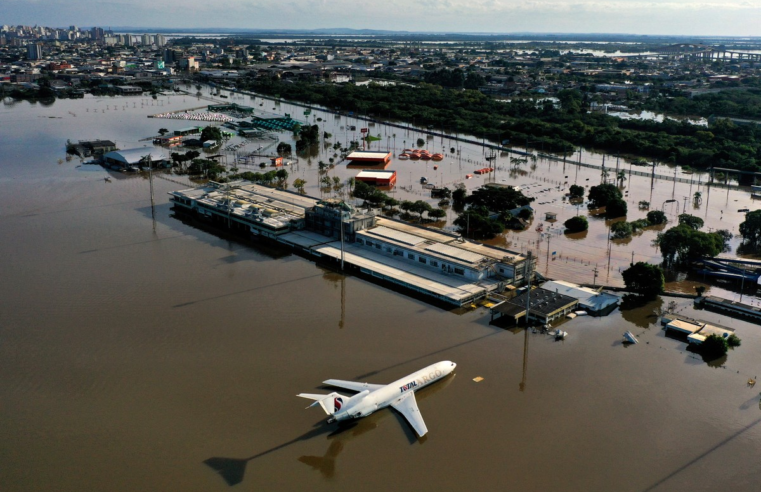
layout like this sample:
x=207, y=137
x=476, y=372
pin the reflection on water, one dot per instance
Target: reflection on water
x=130, y=354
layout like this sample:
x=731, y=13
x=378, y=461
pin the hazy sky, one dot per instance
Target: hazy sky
x=691, y=17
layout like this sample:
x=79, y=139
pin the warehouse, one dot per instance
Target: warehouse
x=377, y=178
x=121, y=159
x=370, y=157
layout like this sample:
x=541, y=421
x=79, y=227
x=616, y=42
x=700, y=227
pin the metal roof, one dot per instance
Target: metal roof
x=395, y=235
x=456, y=253
x=134, y=156
x=382, y=174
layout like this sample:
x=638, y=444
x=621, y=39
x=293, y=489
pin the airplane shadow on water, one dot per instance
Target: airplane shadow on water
x=232, y=470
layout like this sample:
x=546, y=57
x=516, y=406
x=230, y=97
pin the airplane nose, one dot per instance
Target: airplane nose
x=454, y=365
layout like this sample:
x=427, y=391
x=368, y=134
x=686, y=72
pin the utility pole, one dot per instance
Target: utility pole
x=341, y=225
x=594, y=282
x=528, y=273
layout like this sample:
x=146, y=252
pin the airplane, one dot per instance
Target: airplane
x=399, y=395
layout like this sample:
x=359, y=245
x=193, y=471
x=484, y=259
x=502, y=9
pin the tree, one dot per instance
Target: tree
x=459, y=195
x=437, y=213
x=713, y=347
x=163, y=131
x=284, y=148
x=621, y=230
x=499, y=200
x=691, y=221
x=601, y=195
x=211, y=133
x=682, y=244
x=576, y=191
x=644, y=279
x=616, y=208
x=420, y=207
x=750, y=229
x=299, y=184
x=656, y=217
x=475, y=223
x=576, y=224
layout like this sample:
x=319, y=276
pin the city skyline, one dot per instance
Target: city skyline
x=674, y=17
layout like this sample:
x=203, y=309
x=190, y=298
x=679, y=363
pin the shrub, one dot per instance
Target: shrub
x=576, y=224
x=734, y=340
x=713, y=347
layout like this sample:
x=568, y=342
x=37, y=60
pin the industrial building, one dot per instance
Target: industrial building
x=696, y=331
x=594, y=301
x=121, y=159
x=440, y=265
x=369, y=157
x=544, y=306
x=377, y=178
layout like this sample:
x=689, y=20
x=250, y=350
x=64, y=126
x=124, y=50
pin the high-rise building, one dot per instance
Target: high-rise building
x=147, y=40
x=160, y=40
x=96, y=34
x=34, y=51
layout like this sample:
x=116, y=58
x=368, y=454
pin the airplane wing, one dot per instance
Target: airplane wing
x=407, y=406
x=352, y=385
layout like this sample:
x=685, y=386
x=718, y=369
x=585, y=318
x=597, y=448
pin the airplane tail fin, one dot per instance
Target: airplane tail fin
x=330, y=403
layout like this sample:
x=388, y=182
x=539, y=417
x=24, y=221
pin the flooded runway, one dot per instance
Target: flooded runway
x=146, y=356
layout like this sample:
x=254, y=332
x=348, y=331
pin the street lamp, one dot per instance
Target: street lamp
x=670, y=201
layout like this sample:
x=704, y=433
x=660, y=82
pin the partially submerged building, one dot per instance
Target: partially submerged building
x=440, y=265
x=593, y=301
x=544, y=307
x=140, y=157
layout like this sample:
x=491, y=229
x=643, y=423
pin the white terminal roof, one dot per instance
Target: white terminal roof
x=395, y=235
x=455, y=253
x=134, y=156
x=588, y=298
x=376, y=174
x=368, y=154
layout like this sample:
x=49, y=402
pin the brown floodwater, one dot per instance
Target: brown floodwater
x=135, y=353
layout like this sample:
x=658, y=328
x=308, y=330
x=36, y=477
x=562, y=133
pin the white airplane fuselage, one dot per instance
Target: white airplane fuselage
x=366, y=402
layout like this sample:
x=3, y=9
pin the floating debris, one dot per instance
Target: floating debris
x=478, y=379
x=630, y=338
x=751, y=382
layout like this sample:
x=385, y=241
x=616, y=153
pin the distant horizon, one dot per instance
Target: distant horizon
x=689, y=18
x=346, y=31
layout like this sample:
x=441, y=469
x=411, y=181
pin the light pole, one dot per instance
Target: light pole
x=672, y=200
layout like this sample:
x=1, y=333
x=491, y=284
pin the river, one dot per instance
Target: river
x=134, y=350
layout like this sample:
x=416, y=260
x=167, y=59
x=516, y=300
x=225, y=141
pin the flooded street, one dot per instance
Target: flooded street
x=133, y=350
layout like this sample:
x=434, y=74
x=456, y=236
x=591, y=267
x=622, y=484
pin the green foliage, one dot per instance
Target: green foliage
x=498, y=199
x=691, y=221
x=558, y=130
x=616, y=208
x=644, y=279
x=459, y=195
x=734, y=341
x=284, y=148
x=741, y=104
x=437, y=213
x=308, y=136
x=621, y=230
x=576, y=191
x=682, y=244
x=713, y=347
x=211, y=133
x=475, y=223
x=656, y=217
x=576, y=224
x=601, y=195
x=750, y=229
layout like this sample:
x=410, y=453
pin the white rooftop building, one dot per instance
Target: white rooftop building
x=593, y=301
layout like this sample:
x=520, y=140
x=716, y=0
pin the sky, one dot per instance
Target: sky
x=653, y=17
